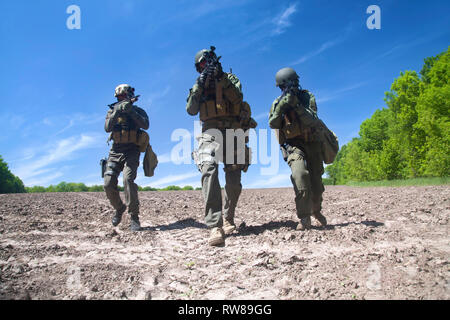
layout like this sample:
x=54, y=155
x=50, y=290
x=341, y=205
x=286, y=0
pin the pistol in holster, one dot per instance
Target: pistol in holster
x=285, y=148
x=103, y=166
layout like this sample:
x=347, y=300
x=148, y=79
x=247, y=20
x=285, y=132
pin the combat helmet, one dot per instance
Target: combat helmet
x=285, y=77
x=124, y=89
x=201, y=55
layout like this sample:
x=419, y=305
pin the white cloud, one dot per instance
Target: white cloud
x=156, y=96
x=276, y=181
x=202, y=8
x=282, y=21
x=164, y=158
x=171, y=179
x=62, y=150
x=47, y=121
x=325, y=46
x=44, y=180
x=78, y=119
x=338, y=93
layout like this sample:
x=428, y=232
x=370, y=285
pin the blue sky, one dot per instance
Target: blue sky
x=56, y=83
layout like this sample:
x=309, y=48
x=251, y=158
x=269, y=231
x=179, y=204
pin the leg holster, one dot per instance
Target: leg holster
x=112, y=169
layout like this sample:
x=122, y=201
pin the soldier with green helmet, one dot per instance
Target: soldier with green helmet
x=125, y=122
x=217, y=97
x=294, y=114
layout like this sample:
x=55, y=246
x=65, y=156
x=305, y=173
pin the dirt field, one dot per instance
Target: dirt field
x=381, y=243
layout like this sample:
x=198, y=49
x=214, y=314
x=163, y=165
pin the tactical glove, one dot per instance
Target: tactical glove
x=202, y=79
x=123, y=107
x=211, y=71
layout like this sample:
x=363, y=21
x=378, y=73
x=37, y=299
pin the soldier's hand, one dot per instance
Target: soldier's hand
x=202, y=79
x=214, y=71
x=123, y=107
x=284, y=107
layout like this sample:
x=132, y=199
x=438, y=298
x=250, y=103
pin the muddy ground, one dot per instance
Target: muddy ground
x=381, y=243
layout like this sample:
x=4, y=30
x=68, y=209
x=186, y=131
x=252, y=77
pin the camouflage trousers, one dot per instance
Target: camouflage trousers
x=306, y=165
x=210, y=152
x=126, y=160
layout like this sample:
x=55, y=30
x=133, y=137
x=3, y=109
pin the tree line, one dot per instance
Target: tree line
x=9, y=183
x=81, y=187
x=410, y=137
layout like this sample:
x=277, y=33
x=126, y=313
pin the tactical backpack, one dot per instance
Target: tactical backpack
x=150, y=161
x=329, y=141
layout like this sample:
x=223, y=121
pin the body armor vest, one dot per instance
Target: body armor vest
x=221, y=100
x=291, y=125
x=125, y=131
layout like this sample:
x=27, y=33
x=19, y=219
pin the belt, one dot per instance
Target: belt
x=221, y=124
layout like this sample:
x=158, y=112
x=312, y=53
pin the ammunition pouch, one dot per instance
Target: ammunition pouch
x=224, y=100
x=125, y=136
x=292, y=128
x=138, y=137
x=209, y=109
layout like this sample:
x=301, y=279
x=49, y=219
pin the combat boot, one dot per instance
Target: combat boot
x=216, y=237
x=228, y=226
x=321, y=218
x=135, y=224
x=118, y=216
x=304, y=224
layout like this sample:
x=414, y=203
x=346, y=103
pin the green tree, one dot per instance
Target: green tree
x=374, y=131
x=402, y=101
x=95, y=188
x=149, y=189
x=410, y=138
x=433, y=109
x=171, y=188
x=36, y=189
x=9, y=183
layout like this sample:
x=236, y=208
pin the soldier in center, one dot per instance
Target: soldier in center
x=294, y=113
x=217, y=96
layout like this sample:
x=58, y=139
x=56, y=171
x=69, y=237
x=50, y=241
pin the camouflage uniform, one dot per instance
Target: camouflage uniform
x=294, y=114
x=219, y=111
x=123, y=121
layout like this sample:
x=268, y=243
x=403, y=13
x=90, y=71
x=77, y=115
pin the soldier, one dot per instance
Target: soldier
x=294, y=113
x=124, y=121
x=217, y=96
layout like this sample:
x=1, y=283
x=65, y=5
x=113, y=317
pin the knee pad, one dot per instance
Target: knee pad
x=207, y=166
x=112, y=169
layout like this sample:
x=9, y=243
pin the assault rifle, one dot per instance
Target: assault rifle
x=290, y=85
x=132, y=99
x=212, y=61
